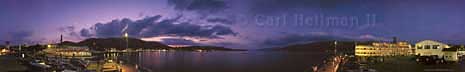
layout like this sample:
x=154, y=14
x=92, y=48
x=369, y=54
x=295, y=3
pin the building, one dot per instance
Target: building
x=450, y=54
x=460, y=50
x=68, y=51
x=4, y=51
x=383, y=49
x=436, y=49
x=429, y=48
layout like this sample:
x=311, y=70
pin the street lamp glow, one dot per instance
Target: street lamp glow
x=199, y=50
x=126, y=35
x=49, y=46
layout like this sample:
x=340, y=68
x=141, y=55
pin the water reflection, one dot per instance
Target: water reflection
x=221, y=61
x=181, y=61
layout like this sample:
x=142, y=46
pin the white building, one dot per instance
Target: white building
x=434, y=48
x=430, y=48
x=461, y=50
x=450, y=54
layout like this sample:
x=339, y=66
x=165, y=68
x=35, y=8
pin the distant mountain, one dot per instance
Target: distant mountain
x=193, y=48
x=321, y=46
x=118, y=43
x=69, y=43
x=302, y=39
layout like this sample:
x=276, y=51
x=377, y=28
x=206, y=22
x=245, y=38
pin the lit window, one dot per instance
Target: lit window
x=419, y=47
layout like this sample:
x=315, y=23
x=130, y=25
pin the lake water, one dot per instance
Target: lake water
x=224, y=61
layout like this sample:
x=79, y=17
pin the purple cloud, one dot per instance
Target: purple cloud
x=149, y=27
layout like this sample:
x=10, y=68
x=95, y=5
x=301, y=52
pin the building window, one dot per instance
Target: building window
x=435, y=46
x=427, y=47
x=419, y=47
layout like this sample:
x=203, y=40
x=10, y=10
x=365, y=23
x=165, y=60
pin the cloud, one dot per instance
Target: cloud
x=69, y=32
x=67, y=28
x=220, y=20
x=263, y=6
x=308, y=6
x=178, y=41
x=199, y=5
x=372, y=37
x=85, y=33
x=111, y=29
x=19, y=37
x=153, y=26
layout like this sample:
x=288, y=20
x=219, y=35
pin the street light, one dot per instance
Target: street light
x=126, y=38
x=335, y=46
x=126, y=35
x=49, y=46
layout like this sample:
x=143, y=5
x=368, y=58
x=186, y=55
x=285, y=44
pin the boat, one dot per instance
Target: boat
x=39, y=63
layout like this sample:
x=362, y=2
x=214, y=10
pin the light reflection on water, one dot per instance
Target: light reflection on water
x=240, y=61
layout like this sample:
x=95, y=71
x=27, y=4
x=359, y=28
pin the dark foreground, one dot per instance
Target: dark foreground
x=399, y=64
x=11, y=64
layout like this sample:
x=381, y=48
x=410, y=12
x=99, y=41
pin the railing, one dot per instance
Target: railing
x=330, y=64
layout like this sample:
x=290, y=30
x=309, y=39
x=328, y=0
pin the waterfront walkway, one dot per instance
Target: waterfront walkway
x=331, y=65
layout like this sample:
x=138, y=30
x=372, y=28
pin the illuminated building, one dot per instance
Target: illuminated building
x=383, y=49
x=429, y=48
x=450, y=54
x=460, y=50
x=438, y=49
x=68, y=51
x=4, y=51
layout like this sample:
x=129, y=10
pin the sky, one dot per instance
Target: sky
x=242, y=24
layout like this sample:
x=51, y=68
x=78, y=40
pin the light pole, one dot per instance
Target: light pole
x=335, y=46
x=126, y=37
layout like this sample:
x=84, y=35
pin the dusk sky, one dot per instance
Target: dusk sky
x=243, y=24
